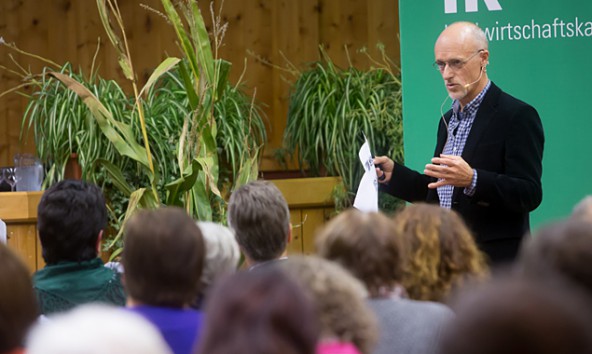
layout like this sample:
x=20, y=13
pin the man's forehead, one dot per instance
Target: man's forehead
x=455, y=46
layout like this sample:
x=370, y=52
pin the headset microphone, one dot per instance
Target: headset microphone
x=479, y=78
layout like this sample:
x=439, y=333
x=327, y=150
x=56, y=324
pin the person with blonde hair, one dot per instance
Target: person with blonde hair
x=347, y=324
x=441, y=252
x=370, y=247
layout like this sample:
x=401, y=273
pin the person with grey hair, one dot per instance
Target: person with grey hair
x=222, y=255
x=583, y=210
x=487, y=163
x=96, y=329
x=259, y=216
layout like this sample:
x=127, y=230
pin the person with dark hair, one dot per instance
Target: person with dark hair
x=163, y=255
x=71, y=218
x=441, y=252
x=259, y=216
x=563, y=248
x=259, y=312
x=518, y=316
x=18, y=307
x=370, y=247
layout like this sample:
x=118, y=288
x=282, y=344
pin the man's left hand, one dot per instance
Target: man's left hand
x=449, y=170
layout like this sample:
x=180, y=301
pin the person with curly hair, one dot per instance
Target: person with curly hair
x=441, y=252
x=347, y=324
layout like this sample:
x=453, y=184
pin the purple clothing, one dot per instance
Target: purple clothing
x=180, y=328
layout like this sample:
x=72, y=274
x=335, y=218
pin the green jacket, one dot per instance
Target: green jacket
x=60, y=287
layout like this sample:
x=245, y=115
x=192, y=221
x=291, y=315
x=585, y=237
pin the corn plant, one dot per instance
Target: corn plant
x=332, y=109
x=186, y=138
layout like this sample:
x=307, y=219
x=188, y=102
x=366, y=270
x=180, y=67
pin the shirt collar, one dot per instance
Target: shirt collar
x=473, y=106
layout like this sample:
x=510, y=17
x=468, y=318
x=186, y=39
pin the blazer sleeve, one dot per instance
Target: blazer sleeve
x=518, y=188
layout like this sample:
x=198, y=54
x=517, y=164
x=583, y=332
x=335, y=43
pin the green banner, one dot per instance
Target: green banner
x=540, y=52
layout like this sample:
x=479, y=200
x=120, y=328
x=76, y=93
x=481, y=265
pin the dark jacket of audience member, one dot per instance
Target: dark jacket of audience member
x=18, y=308
x=259, y=312
x=369, y=246
x=259, y=216
x=163, y=259
x=519, y=316
x=71, y=217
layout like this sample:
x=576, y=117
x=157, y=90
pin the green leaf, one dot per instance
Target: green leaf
x=160, y=70
x=123, y=138
x=116, y=176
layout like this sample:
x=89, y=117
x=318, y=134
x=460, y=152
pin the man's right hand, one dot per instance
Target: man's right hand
x=386, y=169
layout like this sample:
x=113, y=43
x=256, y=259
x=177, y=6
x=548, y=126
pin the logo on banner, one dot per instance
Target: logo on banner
x=450, y=6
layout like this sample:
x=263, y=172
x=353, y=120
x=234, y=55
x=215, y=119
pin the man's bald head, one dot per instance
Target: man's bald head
x=466, y=32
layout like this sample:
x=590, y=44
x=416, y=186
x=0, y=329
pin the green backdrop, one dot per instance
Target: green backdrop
x=540, y=52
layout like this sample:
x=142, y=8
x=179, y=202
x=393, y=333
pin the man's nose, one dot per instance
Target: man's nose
x=447, y=72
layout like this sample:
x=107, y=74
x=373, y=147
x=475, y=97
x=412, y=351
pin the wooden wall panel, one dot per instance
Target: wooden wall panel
x=261, y=32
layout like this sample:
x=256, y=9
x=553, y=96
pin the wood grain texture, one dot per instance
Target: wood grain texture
x=260, y=32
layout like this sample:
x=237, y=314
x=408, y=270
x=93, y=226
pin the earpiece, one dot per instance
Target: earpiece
x=479, y=78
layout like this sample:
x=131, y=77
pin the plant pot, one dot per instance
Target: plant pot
x=73, y=169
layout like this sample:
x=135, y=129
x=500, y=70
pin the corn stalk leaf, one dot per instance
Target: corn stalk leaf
x=116, y=176
x=160, y=70
x=119, y=134
x=185, y=42
x=182, y=184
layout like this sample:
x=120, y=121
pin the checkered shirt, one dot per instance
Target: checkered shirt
x=459, y=128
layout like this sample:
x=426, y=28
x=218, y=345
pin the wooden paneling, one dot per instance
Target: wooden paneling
x=311, y=204
x=19, y=211
x=260, y=32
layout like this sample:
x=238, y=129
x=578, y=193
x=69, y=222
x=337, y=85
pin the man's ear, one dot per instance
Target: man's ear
x=99, y=239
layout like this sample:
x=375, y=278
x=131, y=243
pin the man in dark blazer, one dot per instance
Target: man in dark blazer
x=487, y=164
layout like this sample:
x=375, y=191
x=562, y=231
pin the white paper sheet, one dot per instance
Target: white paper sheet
x=367, y=195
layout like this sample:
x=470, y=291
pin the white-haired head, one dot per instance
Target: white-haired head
x=96, y=329
x=222, y=252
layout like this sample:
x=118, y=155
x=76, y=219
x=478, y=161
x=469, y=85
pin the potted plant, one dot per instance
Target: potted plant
x=186, y=138
x=332, y=110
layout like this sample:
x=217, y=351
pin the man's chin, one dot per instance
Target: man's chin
x=456, y=95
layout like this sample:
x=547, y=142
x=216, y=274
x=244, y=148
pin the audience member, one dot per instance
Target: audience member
x=96, y=329
x=368, y=245
x=347, y=324
x=259, y=312
x=163, y=258
x=18, y=308
x=260, y=219
x=564, y=249
x=517, y=316
x=221, y=257
x=583, y=210
x=71, y=217
x=442, y=254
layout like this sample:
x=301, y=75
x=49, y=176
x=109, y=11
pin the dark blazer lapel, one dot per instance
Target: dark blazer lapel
x=487, y=110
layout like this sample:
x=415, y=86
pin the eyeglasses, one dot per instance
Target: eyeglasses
x=454, y=64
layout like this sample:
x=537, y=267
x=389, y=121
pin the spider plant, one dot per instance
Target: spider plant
x=332, y=109
x=62, y=123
